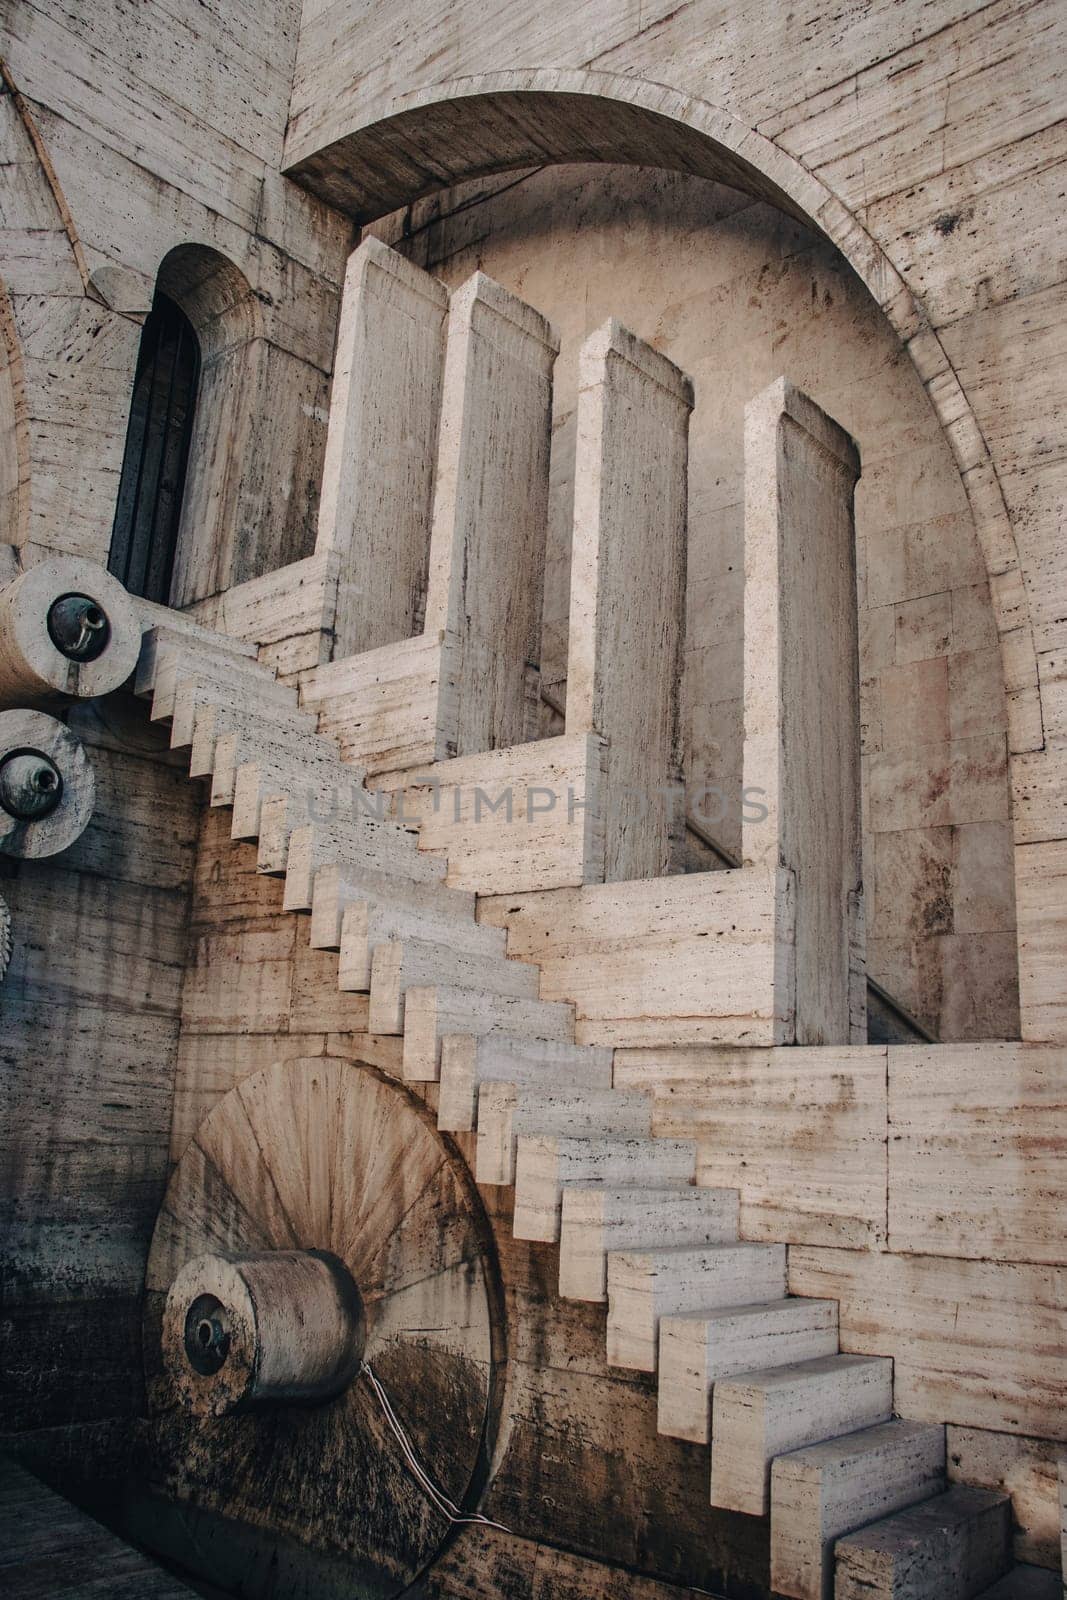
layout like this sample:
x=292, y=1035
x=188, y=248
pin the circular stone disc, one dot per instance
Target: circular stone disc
x=31, y=664
x=47, y=836
x=331, y=1155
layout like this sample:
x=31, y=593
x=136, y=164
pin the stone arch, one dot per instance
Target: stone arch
x=227, y=320
x=476, y=126
x=214, y=294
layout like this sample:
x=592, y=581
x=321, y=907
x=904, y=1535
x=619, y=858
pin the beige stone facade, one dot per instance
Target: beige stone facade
x=513, y=498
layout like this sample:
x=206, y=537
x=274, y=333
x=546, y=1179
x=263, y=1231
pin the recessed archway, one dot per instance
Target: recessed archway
x=496, y=122
x=224, y=314
x=737, y=294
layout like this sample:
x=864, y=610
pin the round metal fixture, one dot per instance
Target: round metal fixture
x=78, y=627
x=31, y=785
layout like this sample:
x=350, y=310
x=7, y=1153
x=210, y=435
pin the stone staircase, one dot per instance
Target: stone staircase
x=801, y=1431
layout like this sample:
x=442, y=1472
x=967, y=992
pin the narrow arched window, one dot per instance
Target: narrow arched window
x=145, y=534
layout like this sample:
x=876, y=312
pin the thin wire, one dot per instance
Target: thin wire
x=437, y=1497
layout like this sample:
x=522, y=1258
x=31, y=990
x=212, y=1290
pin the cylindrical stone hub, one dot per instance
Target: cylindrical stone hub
x=68, y=631
x=46, y=785
x=283, y=1326
x=31, y=786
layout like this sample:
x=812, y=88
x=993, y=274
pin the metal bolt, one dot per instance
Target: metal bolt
x=207, y=1334
x=31, y=786
x=78, y=627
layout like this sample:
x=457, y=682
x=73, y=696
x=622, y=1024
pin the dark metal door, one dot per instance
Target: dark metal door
x=145, y=534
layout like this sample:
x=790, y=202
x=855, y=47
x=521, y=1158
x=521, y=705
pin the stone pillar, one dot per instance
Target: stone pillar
x=627, y=601
x=487, y=547
x=801, y=695
x=378, y=473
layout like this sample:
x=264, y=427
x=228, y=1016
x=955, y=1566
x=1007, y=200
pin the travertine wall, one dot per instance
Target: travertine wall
x=128, y=135
x=165, y=166
x=925, y=141
x=737, y=294
x=9, y=443
x=89, y=1020
x=928, y=141
x=254, y=989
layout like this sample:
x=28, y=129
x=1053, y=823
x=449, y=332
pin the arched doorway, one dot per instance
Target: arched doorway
x=144, y=538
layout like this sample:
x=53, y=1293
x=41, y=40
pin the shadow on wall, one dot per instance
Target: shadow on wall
x=199, y=386
x=736, y=293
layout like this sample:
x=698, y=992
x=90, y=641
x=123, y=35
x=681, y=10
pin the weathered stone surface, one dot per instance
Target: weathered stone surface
x=597, y=1221
x=948, y=1548
x=752, y=1113
x=490, y=509
x=925, y=144
x=664, y=961
x=697, y=1349
x=47, y=786
x=36, y=667
x=974, y=1342
x=756, y=1416
x=801, y=691
x=977, y=1151
x=690, y=258
x=374, y=510
x=1026, y=1469
x=627, y=589
x=39, y=1528
x=824, y=1491
x=646, y=1285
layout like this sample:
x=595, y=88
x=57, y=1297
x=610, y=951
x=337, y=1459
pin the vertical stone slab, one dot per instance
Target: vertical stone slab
x=378, y=474
x=487, y=547
x=627, y=605
x=1041, y=905
x=801, y=691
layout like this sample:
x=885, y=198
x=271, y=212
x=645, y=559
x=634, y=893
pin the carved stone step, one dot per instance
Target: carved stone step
x=756, y=1416
x=279, y=728
x=156, y=618
x=831, y=1488
x=345, y=846
x=468, y=1061
x=161, y=673
x=203, y=711
x=431, y=1013
x=342, y=819
x=697, y=1350
x=595, y=1221
x=166, y=642
x=376, y=846
x=355, y=906
x=546, y=1164
x=948, y=1548
x=252, y=740
x=508, y=1110
x=402, y=964
x=645, y=1285
x=446, y=948
x=302, y=778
